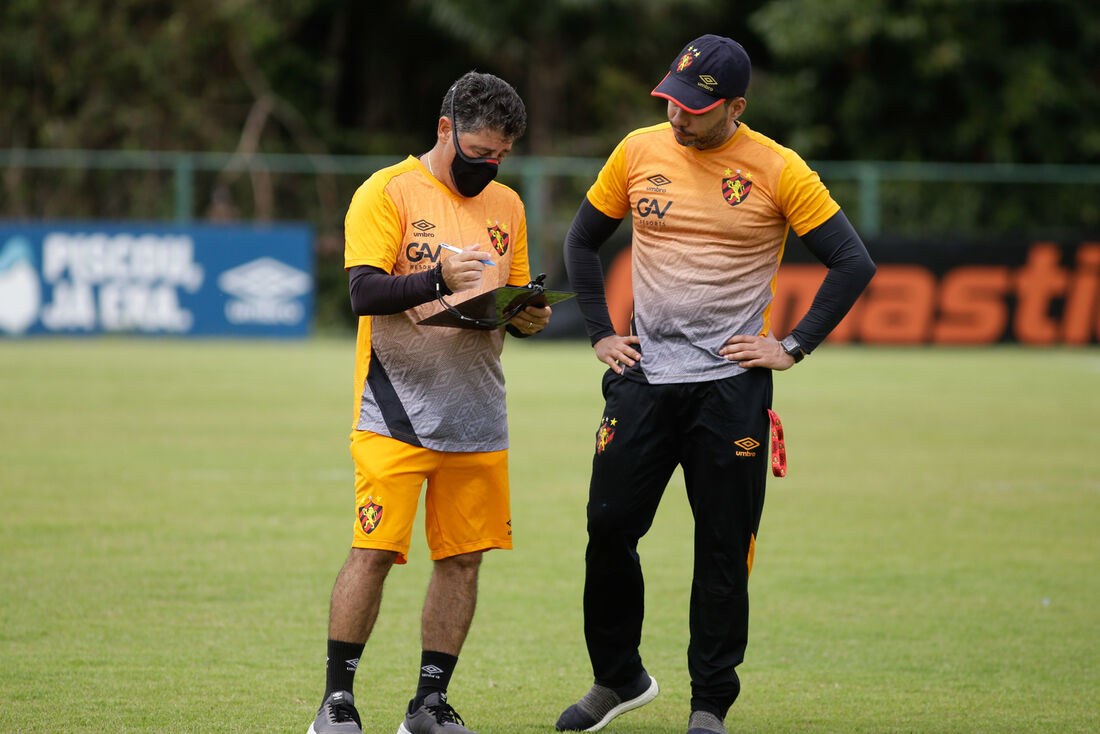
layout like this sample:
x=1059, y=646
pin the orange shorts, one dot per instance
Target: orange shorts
x=466, y=506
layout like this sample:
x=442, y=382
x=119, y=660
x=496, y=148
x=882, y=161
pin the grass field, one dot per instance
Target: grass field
x=172, y=516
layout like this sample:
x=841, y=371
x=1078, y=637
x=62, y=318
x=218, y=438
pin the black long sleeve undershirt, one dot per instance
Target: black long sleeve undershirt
x=374, y=292
x=589, y=230
x=834, y=242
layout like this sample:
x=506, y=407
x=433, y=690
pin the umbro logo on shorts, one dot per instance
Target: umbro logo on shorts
x=747, y=446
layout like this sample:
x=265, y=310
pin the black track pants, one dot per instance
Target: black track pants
x=718, y=432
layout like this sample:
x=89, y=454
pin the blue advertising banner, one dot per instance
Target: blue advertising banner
x=127, y=278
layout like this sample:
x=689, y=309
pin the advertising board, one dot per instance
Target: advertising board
x=125, y=278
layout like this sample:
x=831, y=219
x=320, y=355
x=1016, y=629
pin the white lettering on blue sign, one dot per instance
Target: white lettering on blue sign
x=119, y=282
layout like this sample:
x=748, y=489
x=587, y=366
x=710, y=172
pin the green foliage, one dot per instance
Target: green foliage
x=170, y=533
x=991, y=80
x=984, y=81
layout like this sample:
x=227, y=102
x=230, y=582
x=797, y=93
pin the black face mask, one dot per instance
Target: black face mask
x=471, y=175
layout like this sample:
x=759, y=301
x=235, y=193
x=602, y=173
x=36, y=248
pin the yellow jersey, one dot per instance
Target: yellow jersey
x=709, y=227
x=432, y=386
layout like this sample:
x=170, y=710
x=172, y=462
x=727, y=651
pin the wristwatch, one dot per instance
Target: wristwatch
x=792, y=347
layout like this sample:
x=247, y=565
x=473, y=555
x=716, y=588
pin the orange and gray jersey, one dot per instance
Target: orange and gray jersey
x=432, y=386
x=709, y=228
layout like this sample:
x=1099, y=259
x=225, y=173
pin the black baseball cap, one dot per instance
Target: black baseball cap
x=710, y=70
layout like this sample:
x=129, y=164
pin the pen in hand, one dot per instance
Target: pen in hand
x=452, y=248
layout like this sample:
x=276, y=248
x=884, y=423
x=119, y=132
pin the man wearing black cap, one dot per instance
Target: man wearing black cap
x=711, y=202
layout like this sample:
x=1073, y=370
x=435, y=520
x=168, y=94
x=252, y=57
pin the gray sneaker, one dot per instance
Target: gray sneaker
x=435, y=716
x=704, y=722
x=601, y=704
x=337, y=715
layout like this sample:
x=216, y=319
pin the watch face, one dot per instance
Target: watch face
x=793, y=348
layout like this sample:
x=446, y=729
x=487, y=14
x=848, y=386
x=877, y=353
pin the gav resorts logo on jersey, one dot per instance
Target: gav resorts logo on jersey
x=605, y=433
x=370, y=515
x=647, y=206
x=688, y=58
x=736, y=187
x=498, y=235
x=20, y=287
x=266, y=291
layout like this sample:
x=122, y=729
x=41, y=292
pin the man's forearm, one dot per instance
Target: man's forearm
x=374, y=292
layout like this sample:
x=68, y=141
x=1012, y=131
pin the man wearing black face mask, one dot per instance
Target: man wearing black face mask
x=429, y=400
x=471, y=175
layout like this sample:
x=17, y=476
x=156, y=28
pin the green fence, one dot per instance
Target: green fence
x=957, y=201
x=533, y=173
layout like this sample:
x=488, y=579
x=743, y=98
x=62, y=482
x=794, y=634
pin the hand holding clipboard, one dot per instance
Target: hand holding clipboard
x=495, y=308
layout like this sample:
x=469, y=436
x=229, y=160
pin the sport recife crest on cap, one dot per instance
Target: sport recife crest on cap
x=710, y=70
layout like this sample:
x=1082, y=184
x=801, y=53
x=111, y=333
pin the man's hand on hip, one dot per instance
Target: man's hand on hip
x=616, y=351
x=750, y=350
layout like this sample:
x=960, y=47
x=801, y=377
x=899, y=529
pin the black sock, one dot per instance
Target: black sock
x=635, y=689
x=436, y=669
x=343, y=659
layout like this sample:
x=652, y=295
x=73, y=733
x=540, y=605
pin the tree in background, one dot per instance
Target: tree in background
x=932, y=80
x=982, y=81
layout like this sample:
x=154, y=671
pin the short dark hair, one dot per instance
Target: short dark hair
x=485, y=101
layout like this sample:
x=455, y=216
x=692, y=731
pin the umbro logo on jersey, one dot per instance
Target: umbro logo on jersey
x=747, y=446
x=659, y=182
x=423, y=225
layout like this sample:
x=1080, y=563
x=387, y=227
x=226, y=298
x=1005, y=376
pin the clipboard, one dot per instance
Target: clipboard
x=494, y=308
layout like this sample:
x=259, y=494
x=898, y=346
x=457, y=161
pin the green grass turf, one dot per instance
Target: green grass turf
x=173, y=514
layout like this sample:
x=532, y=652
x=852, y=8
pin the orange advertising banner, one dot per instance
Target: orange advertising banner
x=946, y=292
